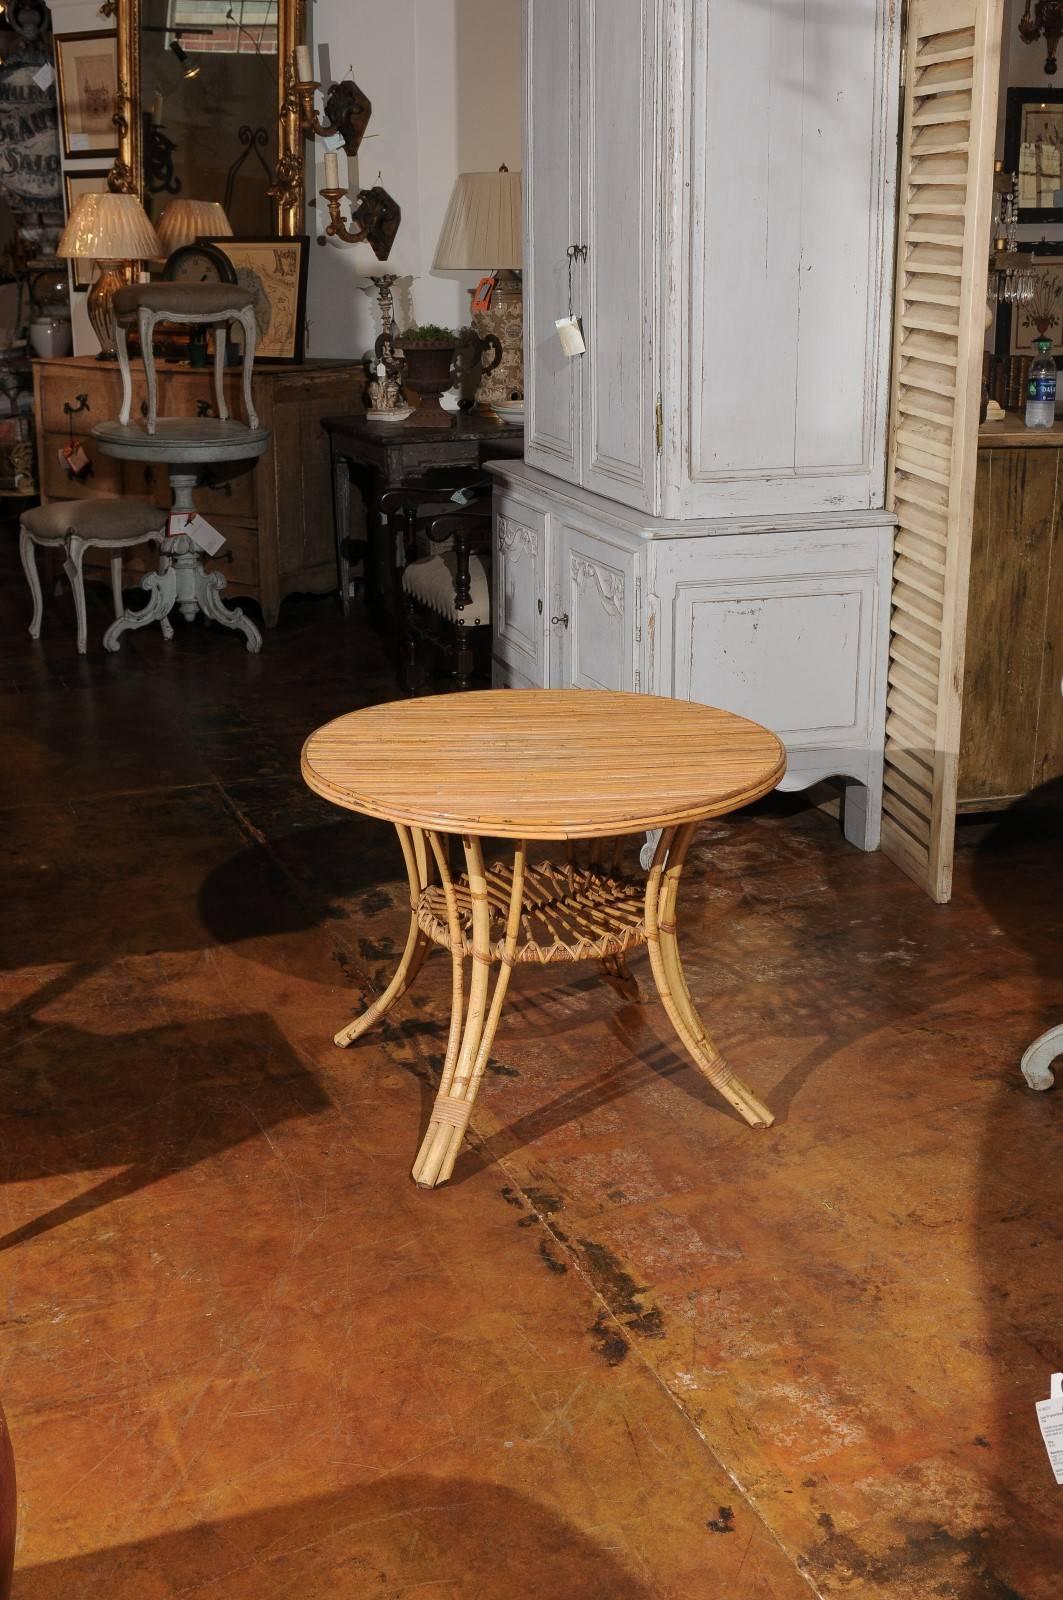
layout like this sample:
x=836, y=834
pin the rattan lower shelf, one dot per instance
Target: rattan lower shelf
x=570, y=913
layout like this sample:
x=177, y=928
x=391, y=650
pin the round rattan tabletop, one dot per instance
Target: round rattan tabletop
x=542, y=763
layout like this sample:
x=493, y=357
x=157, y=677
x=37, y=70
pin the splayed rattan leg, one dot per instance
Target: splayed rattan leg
x=662, y=888
x=417, y=944
x=469, y=1045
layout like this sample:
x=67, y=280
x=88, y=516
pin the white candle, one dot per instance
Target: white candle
x=156, y=108
x=332, y=170
x=302, y=64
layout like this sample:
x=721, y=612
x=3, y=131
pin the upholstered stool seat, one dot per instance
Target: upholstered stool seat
x=432, y=580
x=75, y=526
x=200, y=300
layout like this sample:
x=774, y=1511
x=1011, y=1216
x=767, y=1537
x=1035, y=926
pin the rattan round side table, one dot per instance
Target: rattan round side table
x=534, y=765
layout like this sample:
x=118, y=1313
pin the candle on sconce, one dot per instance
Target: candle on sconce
x=332, y=170
x=156, y=108
x=303, y=69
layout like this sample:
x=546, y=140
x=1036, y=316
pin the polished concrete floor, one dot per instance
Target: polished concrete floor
x=635, y=1349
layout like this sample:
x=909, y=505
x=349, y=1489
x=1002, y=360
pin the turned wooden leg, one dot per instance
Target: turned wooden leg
x=662, y=889
x=417, y=944
x=471, y=1037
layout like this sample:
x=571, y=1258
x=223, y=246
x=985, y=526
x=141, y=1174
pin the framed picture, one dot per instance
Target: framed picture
x=86, y=66
x=1033, y=148
x=75, y=184
x=1017, y=326
x=274, y=269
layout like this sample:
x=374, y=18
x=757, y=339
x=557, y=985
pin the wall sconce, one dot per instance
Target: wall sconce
x=347, y=109
x=375, y=216
x=1046, y=18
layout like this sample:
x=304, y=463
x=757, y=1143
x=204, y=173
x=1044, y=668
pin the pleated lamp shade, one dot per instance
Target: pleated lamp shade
x=110, y=227
x=483, y=225
x=185, y=221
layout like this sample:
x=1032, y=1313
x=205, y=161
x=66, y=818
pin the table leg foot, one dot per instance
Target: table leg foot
x=1038, y=1059
x=415, y=855
x=161, y=586
x=208, y=597
x=468, y=1046
x=662, y=887
x=408, y=968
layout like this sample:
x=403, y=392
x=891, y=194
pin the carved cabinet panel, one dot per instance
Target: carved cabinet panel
x=519, y=604
x=596, y=616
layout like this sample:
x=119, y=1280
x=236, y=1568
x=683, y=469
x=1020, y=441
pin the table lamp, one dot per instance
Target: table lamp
x=483, y=229
x=112, y=230
x=185, y=221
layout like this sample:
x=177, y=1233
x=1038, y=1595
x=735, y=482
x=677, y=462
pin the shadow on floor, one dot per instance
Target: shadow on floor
x=1020, y=1220
x=444, y=1538
x=154, y=1102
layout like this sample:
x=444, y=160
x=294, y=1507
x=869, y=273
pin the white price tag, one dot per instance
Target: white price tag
x=1050, y=1418
x=45, y=76
x=198, y=529
x=571, y=335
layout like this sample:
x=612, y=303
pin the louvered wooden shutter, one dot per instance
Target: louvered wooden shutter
x=952, y=58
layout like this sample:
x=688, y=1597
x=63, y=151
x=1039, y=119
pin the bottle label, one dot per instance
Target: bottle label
x=1042, y=387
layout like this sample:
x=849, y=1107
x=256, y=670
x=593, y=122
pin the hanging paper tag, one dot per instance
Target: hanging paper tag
x=72, y=458
x=1050, y=1418
x=571, y=335
x=481, y=295
x=198, y=529
x=45, y=76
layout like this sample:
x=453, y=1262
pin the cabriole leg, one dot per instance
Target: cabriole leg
x=662, y=888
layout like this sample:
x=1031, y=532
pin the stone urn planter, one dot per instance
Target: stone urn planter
x=428, y=363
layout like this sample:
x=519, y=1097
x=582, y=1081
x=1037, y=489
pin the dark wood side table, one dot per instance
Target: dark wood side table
x=377, y=456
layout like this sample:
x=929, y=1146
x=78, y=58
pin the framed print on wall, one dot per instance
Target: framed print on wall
x=75, y=184
x=86, y=66
x=274, y=269
x=1033, y=148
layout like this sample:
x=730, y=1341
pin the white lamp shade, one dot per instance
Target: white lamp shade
x=110, y=227
x=185, y=221
x=484, y=222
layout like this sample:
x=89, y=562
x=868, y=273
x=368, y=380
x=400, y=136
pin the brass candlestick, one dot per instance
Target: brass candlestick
x=309, y=121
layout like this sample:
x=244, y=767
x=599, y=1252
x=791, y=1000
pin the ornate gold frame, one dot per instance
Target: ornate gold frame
x=127, y=173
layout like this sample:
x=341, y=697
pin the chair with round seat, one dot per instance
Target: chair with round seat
x=75, y=526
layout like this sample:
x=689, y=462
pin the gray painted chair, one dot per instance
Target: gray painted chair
x=75, y=526
x=194, y=303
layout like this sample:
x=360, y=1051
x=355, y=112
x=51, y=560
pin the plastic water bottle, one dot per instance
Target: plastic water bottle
x=1041, y=388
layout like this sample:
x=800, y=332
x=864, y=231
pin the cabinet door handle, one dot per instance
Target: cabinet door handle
x=563, y=619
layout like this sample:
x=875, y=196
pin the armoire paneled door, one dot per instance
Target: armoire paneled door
x=726, y=171
x=952, y=63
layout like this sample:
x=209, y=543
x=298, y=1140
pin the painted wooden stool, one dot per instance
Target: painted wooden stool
x=76, y=526
x=540, y=764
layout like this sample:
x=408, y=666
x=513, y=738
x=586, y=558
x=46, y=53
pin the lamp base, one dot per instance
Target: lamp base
x=504, y=321
x=112, y=276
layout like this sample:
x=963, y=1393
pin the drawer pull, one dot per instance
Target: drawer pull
x=82, y=405
x=203, y=408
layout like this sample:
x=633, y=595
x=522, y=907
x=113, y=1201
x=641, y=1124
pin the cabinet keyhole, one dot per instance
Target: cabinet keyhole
x=563, y=619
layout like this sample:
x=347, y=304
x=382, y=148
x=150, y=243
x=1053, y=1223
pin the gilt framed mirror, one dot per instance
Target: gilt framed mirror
x=206, y=110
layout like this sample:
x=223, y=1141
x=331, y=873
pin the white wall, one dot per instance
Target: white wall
x=444, y=80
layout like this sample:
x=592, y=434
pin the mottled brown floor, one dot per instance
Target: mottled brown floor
x=635, y=1349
